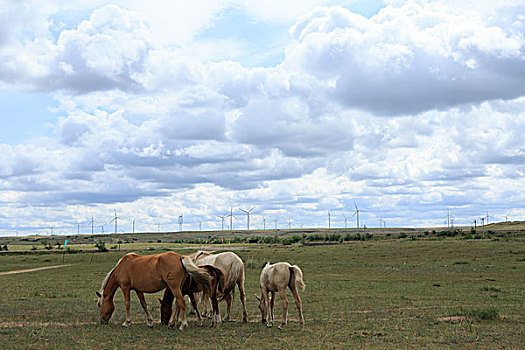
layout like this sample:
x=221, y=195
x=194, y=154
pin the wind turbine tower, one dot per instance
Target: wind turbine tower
x=247, y=217
x=222, y=217
x=231, y=216
x=356, y=214
x=92, y=222
x=115, y=219
x=181, y=220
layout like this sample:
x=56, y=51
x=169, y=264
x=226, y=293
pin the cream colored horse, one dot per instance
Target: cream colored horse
x=275, y=278
x=233, y=268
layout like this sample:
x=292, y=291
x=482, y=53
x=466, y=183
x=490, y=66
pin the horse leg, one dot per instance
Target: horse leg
x=298, y=303
x=145, y=307
x=266, y=298
x=181, y=306
x=240, y=285
x=126, y=291
x=216, y=315
x=194, y=305
x=272, y=305
x=228, y=299
x=204, y=302
x=193, y=308
x=282, y=294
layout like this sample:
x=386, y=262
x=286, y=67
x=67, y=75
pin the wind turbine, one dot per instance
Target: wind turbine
x=92, y=222
x=222, y=217
x=329, y=224
x=356, y=214
x=506, y=216
x=483, y=223
x=231, y=218
x=264, y=222
x=248, y=217
x=200, y=225
x=115, y=219
x=346, y=220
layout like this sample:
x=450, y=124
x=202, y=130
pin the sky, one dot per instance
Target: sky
x=408, y=110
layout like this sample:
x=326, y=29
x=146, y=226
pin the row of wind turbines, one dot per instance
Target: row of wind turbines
x=449, y=221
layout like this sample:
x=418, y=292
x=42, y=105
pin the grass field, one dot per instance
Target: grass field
x=386, y=294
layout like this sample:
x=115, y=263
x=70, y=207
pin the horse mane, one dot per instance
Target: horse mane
x=202, y=253
x=108, y=276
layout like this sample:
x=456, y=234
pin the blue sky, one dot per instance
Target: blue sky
x=408, y=108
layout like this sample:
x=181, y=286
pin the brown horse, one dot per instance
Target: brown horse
x=149, y=274
x=233, y=268
x=275, y=278
x=190, y=287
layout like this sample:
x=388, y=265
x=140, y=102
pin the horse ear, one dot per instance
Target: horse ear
x=160, y=301
x=258, y=298
x=98, y=294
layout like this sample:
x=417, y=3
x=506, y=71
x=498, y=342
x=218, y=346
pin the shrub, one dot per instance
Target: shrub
x=101, y=246
x=486, y=313
x=5, y=247
x=402, y=235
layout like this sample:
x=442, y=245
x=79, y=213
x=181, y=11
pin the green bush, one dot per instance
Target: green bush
x=485, y=313
x=101, y=246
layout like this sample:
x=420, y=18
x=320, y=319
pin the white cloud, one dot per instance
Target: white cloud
x=414, y=110
x=409, y=58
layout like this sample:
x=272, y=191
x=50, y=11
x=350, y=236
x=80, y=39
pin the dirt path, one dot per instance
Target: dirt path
x=31, y=270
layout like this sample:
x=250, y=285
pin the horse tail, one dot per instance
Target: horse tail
x=218, y=275
x=201, y=277
x=298, y=275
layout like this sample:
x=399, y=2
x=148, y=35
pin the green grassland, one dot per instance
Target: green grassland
x=388, y=294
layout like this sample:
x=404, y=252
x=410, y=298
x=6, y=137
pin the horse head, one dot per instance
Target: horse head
x=262, y=308
x=106, y=308
x=166, y=307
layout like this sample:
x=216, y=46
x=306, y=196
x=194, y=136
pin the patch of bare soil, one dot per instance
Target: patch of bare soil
x=451, y=319
x=34, y=269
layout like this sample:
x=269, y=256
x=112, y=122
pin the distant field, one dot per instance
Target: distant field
x=239, y=238
x=387, y=294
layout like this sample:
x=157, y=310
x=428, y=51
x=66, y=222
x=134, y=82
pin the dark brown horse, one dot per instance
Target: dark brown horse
x=190, y=287
x=149, y=274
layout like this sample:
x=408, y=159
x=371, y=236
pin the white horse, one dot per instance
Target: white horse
x=233, y=268
x=275, y=278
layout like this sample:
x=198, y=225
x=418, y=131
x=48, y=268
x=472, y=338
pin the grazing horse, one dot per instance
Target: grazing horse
x=233, y=268
x=149, y=274
x=190, y=287
x=275, y=278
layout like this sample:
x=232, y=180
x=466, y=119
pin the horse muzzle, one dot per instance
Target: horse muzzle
x=103, y=321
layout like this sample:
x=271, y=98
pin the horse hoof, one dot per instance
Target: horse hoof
x=126, y=324
x=182, y=326
x=150, y=324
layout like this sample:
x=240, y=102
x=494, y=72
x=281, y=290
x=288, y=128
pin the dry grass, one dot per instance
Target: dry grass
x=386, y=294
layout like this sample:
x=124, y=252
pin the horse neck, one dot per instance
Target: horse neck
x=111, y=286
